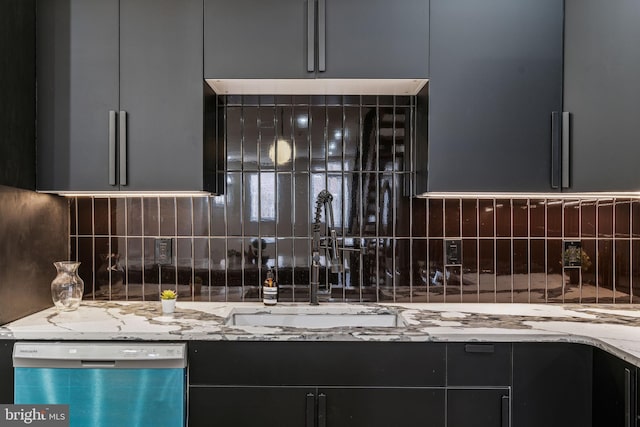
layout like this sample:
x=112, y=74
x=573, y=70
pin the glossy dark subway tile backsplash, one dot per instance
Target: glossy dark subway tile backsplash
x=281, y=152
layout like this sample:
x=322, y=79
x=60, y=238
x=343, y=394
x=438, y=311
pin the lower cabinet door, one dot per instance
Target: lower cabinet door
x=212, y=406
x=381, y=407
x=478, y=408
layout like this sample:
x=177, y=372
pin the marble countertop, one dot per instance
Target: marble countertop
x=614, y=328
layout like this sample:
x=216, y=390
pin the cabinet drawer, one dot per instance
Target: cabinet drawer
x=479, y=364
x=317, y=363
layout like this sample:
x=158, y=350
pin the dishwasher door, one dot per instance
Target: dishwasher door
x=104, y=384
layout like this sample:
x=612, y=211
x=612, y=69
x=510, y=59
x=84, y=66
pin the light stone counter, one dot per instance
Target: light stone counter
x=614, y=328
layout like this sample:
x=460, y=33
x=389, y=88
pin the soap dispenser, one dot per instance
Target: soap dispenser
x=270, y=289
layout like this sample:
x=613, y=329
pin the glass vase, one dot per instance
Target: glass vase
x=67, y=287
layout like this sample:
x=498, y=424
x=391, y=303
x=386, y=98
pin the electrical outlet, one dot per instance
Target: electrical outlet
x=163, y=252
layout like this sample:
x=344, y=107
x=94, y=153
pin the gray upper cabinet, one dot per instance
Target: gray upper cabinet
x=77, y=74
x=255, y=39
x=316, y=39
x=601, y=93
x=120, y=101
x=495, y=79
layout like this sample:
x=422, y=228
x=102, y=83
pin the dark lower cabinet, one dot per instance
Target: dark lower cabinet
x=249, y=406
x=308, y=406
x=382, y=407
x=6, y=371
x=614, y=391
x=552, y=384
x=478, y=407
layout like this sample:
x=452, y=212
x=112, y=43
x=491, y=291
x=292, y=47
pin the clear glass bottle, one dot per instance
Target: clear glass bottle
x=67, y=287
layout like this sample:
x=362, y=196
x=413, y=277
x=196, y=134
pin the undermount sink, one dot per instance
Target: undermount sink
x=314, y=317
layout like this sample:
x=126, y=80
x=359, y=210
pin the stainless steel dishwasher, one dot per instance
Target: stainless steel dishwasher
x=105, y=384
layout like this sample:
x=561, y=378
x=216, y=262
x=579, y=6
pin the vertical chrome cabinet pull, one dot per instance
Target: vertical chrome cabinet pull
x=565, y=149
x=322, y=410
x=322, y=39
x=311, y=35
x=112, y=147
x=556, y=129
x=505, y=411
x=311, y=410
x=122, y=123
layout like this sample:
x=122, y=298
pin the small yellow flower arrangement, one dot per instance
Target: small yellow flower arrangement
x=168, y=294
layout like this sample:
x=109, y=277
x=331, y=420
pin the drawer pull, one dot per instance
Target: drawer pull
x=479, y=348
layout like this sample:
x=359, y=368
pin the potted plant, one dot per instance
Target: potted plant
x=168, y=299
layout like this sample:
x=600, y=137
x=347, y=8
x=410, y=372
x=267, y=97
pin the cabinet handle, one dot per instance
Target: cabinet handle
x=322, y=39
x=627, y=397
x=122, y=123
x=479, y=348
x=565, y=149
x=322, y=410
x=505, y=411
x=112, y=147
x=556, y=129
x=311, y=410
x=311, y=32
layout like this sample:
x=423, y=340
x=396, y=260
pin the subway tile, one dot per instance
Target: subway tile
x=355, y=147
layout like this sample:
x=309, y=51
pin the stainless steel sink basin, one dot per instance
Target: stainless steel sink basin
x=314, y=318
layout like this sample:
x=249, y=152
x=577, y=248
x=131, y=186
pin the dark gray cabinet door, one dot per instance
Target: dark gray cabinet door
x=495, y=78
x=478, y=408
x=77, y=73
x=161, y=91
x=381, y=407
x=359, y=39
x=552, y=384
x=255, y=39
x=376, y=39
x=252, y=406
x=601, y=91
x=614, y=391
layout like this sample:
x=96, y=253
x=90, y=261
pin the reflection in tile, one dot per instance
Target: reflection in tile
x=555, y=277
x=73, y=225
x=623, y=218
x=469, y=217
x=351, y=136
x=435, y=219
x=635, y=218
x=402, y=271
x=635, y=270
x=605, y=218
x=420, y=285
x=369, y=195
x=134, y=216
x=453, y=288
x=503, y=218
x=588, y=211
x=301, y=138
x=168, y=216
x=554, y=218
x=184, y=220
x=385, y=205
x=486, y=264
x=317, y=126
x=335, y=136
x=133, y=266
x=201, y=216
x=218, y=219
x=622, y=271
x=250, y=137
x=267, y=137
x=234, y=138
x=520, y=270
x=419, y=218
x=537, y=218
x=118, y=216
x=402, y=207
x=538, y=269
x=452, y=218
x=469, y=270
x=588, y=271
x=234, y=204
x=571, y=218
x=436, y=270
x=605, y=272
x=151, y=215
x=486, y=215
x=85, y=271
x=85, y=216
x=101, y=215
x=520, y=217
x=504, y=276
x=369, y=140
x=302, y=205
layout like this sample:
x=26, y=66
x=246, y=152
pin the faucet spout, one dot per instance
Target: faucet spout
x=324, y=199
